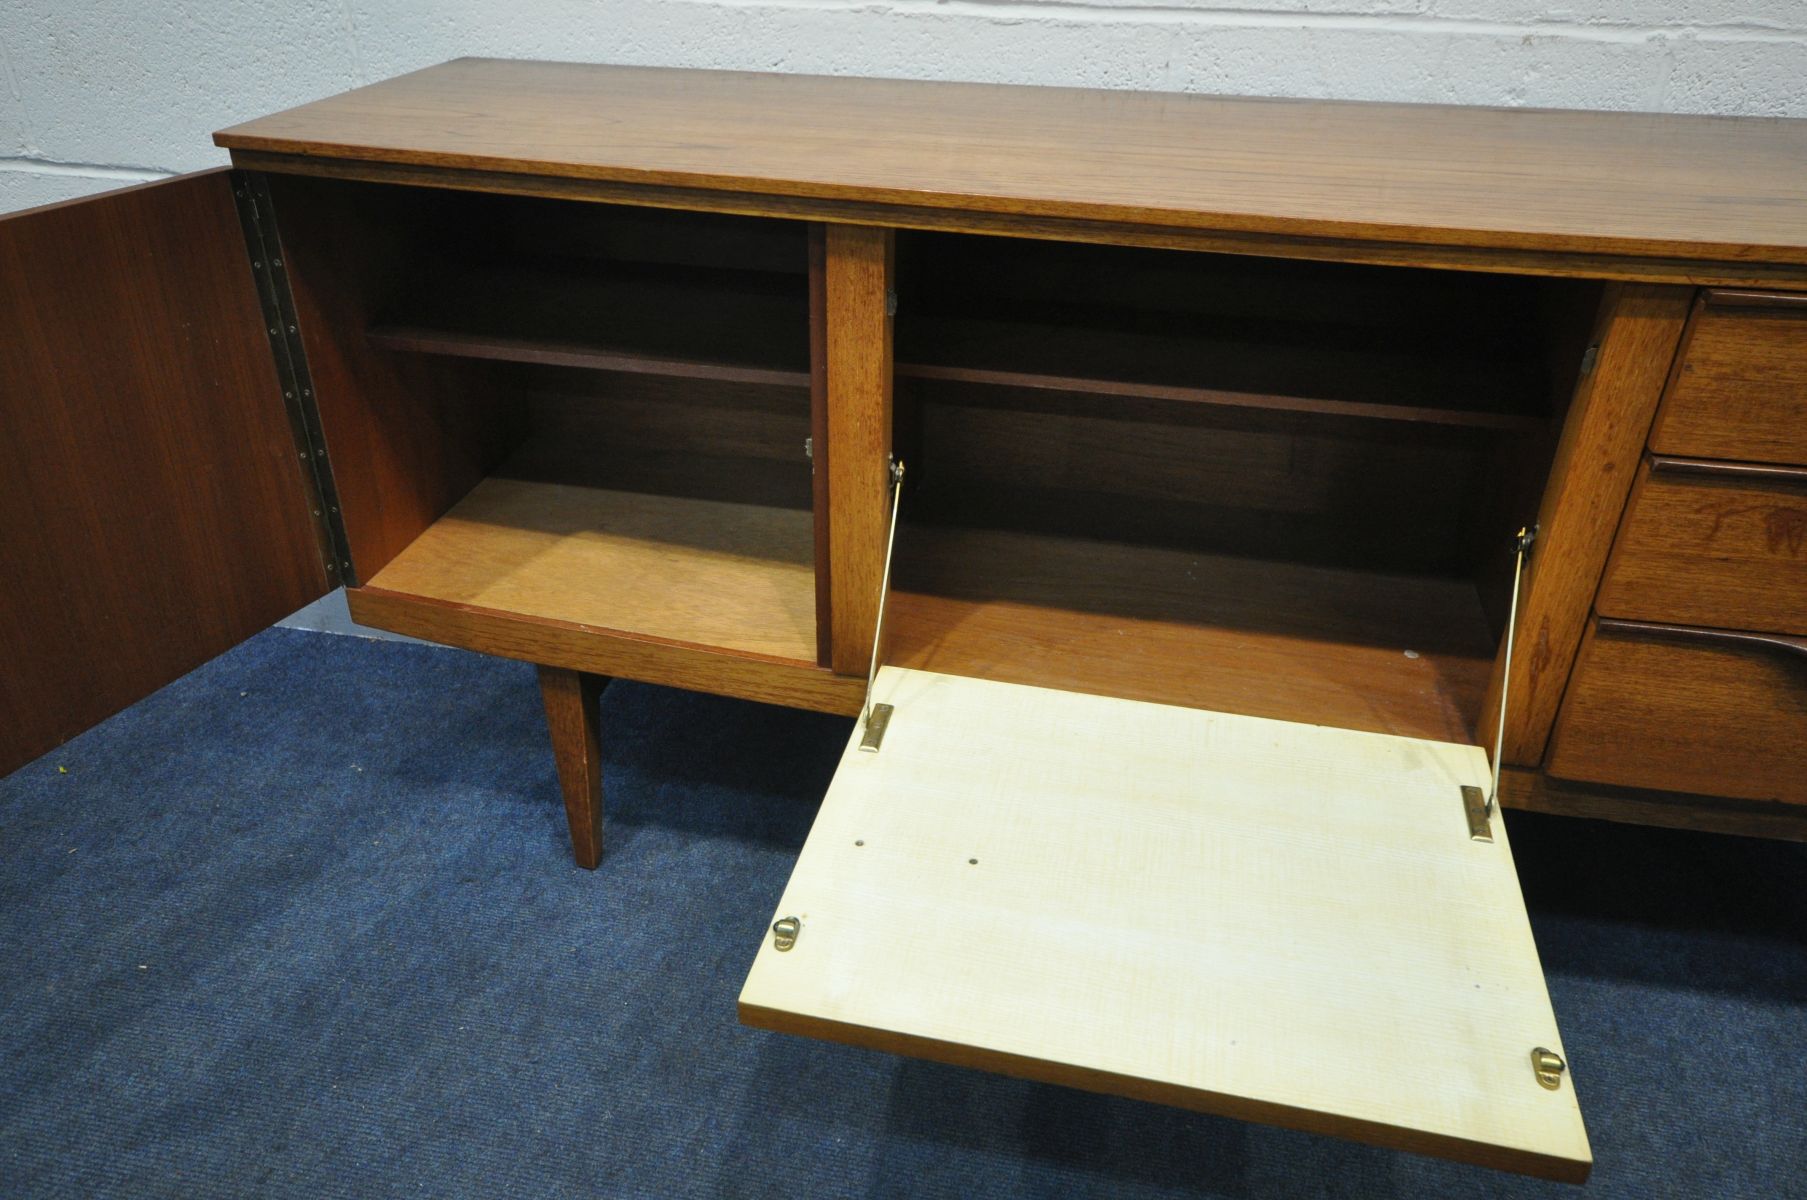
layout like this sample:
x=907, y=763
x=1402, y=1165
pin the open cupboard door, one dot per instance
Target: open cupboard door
x=156, y=507
x=1273, y=921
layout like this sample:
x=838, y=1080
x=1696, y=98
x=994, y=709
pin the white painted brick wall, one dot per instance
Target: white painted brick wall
x=94, y=93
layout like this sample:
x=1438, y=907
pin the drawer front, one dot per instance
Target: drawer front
x=1741, y=389
x=1717, y=544
x=1678, y=708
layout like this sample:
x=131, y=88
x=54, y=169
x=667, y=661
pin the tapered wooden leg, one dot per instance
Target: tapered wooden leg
x=573, y=716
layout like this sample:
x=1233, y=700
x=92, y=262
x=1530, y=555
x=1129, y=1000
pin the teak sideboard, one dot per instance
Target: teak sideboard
x=1231, y=476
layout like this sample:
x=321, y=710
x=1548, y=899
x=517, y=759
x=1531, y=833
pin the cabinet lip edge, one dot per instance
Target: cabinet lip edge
x=754, y=1014
x=1728, y=265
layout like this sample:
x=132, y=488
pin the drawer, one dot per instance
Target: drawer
x=1709, y=543
x=1263, y=919
x=1679, y=708
x=1740, y=391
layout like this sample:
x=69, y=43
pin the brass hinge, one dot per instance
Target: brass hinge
x=1549, y=1067
x=784, y=932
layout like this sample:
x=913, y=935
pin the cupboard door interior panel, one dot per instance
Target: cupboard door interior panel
x=156, y=507
x=1263, y=919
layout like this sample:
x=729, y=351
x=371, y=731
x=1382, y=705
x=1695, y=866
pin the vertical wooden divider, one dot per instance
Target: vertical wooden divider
x=1638, y=331
x=858, y=281
x=818, y=435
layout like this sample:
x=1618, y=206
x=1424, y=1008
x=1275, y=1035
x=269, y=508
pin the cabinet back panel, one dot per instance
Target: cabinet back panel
x=704, y=439
x=1381, y=418
x=1282, y=488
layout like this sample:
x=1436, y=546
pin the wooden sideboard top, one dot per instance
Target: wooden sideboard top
x=1684, y=188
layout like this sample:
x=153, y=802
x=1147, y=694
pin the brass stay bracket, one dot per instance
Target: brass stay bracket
x=876, y=718
x=1479, y=809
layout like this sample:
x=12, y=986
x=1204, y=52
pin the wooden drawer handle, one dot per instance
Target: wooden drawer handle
x=1741, y=298
x=1716, y=637
x=1729, y=472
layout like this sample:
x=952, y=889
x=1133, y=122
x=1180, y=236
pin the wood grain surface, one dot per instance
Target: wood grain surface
x=618, y=654
x=1354, y=649
x=1268, y=485
x=819, y=448
x=574, y=721
x=153, y=509
x=1740, y=389
x=1718, y=712
x=857, y=285
x=1394, y=345
x=1596, y=459
x=1712, y=543
x=736, y=577
x=1535, y=791
x=660, y=318
x=1678, y=186
x=1571, y=264
x=1255, y=918
x=406, y=434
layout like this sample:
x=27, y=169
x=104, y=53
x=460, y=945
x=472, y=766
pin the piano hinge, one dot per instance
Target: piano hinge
x=876, y=718
x=1477, y=808
x=270, y=276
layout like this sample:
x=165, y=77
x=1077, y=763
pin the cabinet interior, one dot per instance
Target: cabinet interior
x=1280, y=488
x=1274, y=487
x=567, y=411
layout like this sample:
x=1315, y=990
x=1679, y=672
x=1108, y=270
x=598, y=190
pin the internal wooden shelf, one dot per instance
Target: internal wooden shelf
x=1330, y=371
x=1396, y=654
x=740, y=326
x=702, y=573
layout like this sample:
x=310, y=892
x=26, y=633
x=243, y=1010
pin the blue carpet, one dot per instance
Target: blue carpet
x=304, y=924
